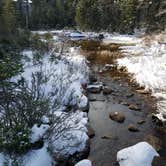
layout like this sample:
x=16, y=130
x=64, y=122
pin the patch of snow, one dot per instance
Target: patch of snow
x=148, y=64
x=72, y=136
x=2, y=159
x=120, y=39
x=38, y=132
x=45, y=119
x=84, y=163
x=39, y=157
x=141, y=154
x=76, y=34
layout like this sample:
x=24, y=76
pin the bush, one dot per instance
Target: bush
x=21, y=108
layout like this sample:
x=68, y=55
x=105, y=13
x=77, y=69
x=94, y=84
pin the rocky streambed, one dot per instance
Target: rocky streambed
x=120, y=113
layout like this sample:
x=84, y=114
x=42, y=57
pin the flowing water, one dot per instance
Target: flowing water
x=111, y=136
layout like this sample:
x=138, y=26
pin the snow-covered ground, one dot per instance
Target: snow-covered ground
x=59, y=78
x=146, y=59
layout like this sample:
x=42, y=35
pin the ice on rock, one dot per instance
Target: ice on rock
x=141, y=154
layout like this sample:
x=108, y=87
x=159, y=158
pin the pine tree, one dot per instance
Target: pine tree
x=8, y=16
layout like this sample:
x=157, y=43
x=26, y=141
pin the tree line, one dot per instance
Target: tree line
x=112, y=15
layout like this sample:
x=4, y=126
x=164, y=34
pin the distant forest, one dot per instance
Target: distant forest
x=112, y=15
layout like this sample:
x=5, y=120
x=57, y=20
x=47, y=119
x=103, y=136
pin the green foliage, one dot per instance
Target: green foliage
x=88, y=15
x=21, y=108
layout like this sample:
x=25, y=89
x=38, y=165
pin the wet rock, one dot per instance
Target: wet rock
x=133, y=128
x=154, y=141
x=134, y=107
x=159, y=161
x=124, y=103
x=117, y=116
x=141, y=122
x=94, y=88
x=130, y=95
x=92, y=78
x=92, y=98
x=91, y=132
x=109, y=136
x=107, y=91
x=142, y=91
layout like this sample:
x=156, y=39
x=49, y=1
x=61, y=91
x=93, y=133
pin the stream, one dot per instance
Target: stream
x=111, y=136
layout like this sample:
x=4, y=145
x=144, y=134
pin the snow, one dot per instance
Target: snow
x=38, y=132
x=39, y=157
x=147, y=61
x=120, y=39
x=141, y=154
x=84, y=163
x=72, y=135
x=2, y=159
x=61, y=81
x=76, y=34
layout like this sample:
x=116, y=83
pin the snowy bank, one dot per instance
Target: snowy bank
x=147, y=61
x=141, y=154
x=59, y=78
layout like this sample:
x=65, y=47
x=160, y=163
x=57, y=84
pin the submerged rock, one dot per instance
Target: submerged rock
x=91, y=132
x=134, y=107
x=141, y=122
x=107, y=91
x=117, y=116
x=133, y=128
x=94, y=88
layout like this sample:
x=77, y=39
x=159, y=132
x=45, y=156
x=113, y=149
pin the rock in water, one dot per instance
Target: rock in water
x=141, y=154
x=117, y=116
x=107, y=91
x=84, y=163
x=134, y=107
x=133, y=128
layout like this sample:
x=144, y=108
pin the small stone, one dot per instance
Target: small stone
x=107, y=91
x=130, y=95
x=134, y=107
x=94, y=90
x=107, y=136
x=141, y=122
x=92, y=99
x=142, y=91
x=91, y=132
x=133, y=128
x=117, y=116
x=154, y=141
x=124, y=103
x=92, y=78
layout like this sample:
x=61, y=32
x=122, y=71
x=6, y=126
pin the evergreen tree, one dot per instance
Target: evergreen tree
x=88, y=14
x=8, y=18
